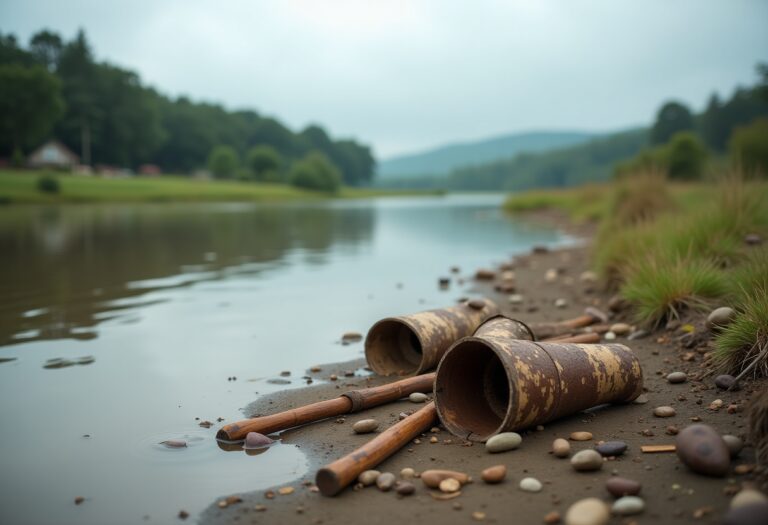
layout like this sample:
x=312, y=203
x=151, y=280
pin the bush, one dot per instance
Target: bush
x=48, y=184
x=264, y=163
x=685, y=157
x=749, y=147
x=316, y=172
x=223, y=162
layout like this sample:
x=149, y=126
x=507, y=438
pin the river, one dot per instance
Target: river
x=164, y=304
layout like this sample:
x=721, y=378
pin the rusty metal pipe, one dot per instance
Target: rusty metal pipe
x=413, y=344
x=492, y=382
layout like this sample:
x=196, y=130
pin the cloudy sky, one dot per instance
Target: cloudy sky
x=406, y=75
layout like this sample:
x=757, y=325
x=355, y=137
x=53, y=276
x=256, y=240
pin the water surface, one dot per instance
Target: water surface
x=172, y=300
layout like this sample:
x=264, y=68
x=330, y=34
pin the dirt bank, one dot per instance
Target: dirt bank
x=671, y=492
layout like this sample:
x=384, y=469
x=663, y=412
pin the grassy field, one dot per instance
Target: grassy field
x=20, y=187
x=671, y=250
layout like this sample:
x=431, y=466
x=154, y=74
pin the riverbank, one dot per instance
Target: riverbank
x=20, y=187
x=669, y=489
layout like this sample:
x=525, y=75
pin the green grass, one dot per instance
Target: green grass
x=582, y=204
x=742, y=346
x=20, y=187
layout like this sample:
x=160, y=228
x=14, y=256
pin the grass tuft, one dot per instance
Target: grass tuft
x=742, y=346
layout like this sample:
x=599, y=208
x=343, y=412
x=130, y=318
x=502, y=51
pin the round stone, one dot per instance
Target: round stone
x=405, y=488
x=611, y=448
x=641, y=399
x=407, y=473
x=386, y=481
x=587, y=460
x=664, y=411
x=619, y=487
x=677, y=377
x=720, y=317
x=561, y=448
x=748, y=497
x=495, y=474
x=476, y=304
x=609, y=336
x=734, y=444
x=365, y=426
x=589, y=511
x=503, y=442
x=530, y=485
x=256, y=440
x=515, y=298
x=449, y=485
x=417, y=397
x=628, y=505
x=368, y=477
x=702, y=449
x=620, y=328
x=581, y=436
x=753, y=514
x=561, y=303
x=725, y=382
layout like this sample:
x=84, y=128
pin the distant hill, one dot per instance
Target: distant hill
x=445, y=159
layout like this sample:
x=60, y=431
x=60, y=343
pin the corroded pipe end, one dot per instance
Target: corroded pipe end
x=472, y=390
x=327, y=480
x=393, y=347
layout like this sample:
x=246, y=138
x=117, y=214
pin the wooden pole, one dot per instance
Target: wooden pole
x=586, y=338
x=332, y=478
x=352, y=401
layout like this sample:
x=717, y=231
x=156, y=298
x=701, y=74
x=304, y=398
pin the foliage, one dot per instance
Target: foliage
x=111, y=118
x=743, y=343
x=48, y=184
x=671, y=119
x=264, y=162
x=223, y=162
x=685, y=157
x=30, y=103
x=749, y=147
x=315, y=172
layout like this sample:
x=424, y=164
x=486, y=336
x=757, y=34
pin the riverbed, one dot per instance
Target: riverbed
x=164, y=316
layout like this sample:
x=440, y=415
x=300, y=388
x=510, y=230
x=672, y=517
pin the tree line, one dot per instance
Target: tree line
x=54, y=88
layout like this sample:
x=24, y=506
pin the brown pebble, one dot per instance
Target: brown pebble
x=284, y=491
x=664, y=411
x=183, y=514
x=619, y=487
x=432, y=478
x=581, y=436
x=79, y=500
x=672, y=430
x=476, y=304
x=552, y=517
x=561, y=448
x=743, y=469
x=478, y=516
x=495, y=474
x=703, y=450
x=405, y=488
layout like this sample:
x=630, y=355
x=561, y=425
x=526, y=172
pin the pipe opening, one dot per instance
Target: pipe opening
x=393, y=348
x=472, y=391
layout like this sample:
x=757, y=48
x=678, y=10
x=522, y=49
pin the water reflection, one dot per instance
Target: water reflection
x=66, y=269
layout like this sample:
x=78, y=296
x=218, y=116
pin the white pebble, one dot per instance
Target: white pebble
x=628, y=505
x=417, y=397
x=530, y=485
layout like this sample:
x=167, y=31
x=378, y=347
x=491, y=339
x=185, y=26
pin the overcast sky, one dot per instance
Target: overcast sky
x=406, y=75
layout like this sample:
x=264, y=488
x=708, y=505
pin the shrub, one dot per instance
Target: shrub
x=685, y=157
x=748, y=147
x=264, y=163
x=316, y=172
x=223, y=162
x=48, y=184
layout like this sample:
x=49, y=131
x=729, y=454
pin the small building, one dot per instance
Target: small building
x=53, y=154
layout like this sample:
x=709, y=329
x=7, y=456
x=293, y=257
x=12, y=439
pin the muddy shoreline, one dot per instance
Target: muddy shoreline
x=671, y=492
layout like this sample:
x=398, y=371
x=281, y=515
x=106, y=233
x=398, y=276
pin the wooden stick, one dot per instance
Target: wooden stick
x=546, y=330
x=352, y=401
x=579, y=338
x=332, y=478
x=363, y=398
x=653, y=449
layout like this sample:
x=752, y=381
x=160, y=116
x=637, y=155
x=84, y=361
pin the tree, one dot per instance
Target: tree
x=46, y=47
x=672, y=118
x=264, y=163
x=223, y=162
x=316, y=172
x=685, y=157
x=30, y=103
x=749, y=147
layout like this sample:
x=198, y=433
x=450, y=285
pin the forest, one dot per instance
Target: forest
x=53, y=88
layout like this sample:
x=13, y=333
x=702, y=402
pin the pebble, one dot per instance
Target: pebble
x=734, y=444
x=587, y=460
x=588, y=277
x=552, y=517
x=641, y=399
x=405, y=488
x=503, y=442
x=494, y=474
x=385, y=481
x=589, y=511
x=720, y=317
x=726, y=381
x=449, y=485
x=581, y=436
x=664, y=411
x=483, y=274
x=530, y=485
x=478, y=516
x=611, y=448
x=677, y=377
x=561, y=303
x=417, y=397
x=432, y=478
x=561, y=448
x=368, y=477
x=619, y=487
x=638, y=334
x=174, y=443
x=628, y=505
x=753, y=239
x=609, y=336
x=256, y=440
x=754, y=514
x=365, y=426
x=351, y=337
x=551, y=275
x=407, y=473
x=515, y=298
x=476, y=304
x=596, y=313
x=702, y=449
x=621, y=328
x=748, y=497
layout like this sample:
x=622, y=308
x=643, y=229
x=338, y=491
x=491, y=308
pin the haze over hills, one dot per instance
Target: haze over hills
x=444, y=159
